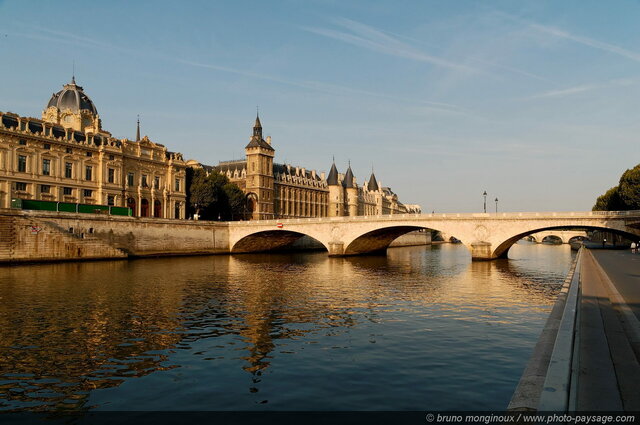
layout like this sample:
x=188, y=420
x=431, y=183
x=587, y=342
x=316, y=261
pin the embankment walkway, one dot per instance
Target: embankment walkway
x=587, y=358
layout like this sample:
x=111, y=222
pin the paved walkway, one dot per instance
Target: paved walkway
x=607, y=368
x=623, y=268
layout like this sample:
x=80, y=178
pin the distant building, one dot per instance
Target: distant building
x=66, y=156
x=285, y=191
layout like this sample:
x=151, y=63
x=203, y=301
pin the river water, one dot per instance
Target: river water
x=420, y=328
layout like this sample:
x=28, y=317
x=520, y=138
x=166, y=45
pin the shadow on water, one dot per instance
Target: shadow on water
x=243, y=332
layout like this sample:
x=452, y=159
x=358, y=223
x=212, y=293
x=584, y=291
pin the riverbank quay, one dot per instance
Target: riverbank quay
x=35, y=236
x=586, y=358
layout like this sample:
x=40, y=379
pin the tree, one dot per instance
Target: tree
x=201, y=192
x=214, y=197
x=610, y=201
x=625, y=196
x=629, y=188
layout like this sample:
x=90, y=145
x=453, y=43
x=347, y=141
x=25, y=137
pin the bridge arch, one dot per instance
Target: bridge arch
x=378, y=240
x=273, y=240
x=502, y=250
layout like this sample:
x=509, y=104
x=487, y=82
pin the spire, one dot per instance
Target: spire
x=373, y=183
x=257, y=127
x=348, y=177
x=138, y=130
x=332, y=180
x=73, y=74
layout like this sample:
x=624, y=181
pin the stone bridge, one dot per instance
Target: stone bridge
x=564, y=235
x=488, y=236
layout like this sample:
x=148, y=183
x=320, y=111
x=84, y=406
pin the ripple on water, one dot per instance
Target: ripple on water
x=420, y=328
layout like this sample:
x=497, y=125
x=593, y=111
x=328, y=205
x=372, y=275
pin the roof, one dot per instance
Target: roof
x=72, y=97
x=259, y=142
x=291, y=170
x=348, y=178
x=373, y=183
x=333, y=175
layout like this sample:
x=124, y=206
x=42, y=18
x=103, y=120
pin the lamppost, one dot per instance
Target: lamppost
x=485, y=201
x=496, y=205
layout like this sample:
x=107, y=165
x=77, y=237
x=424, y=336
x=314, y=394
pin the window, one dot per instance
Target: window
x=88, y=171
x=130, y=178
x=21, y=186
x=112, y=157
x=68, y=170
x=111, y=175
x=177, y=210
x=87, y=193
x=177, y=185
x=156, y=182
x=22, y=163
x=46, y=167
x=89, y=154
x=47, y=146
x=144, y=181
x=110, y=200
x=22, y=143
x=69, y=150
x=67, y=191
x=45, y=188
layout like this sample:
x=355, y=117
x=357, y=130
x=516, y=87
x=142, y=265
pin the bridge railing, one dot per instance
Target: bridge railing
x=463, y=216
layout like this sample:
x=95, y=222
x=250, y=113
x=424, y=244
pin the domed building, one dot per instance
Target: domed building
x=67, y=157
x=72, y=108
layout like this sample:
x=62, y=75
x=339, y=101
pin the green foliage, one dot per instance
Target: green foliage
x=629, y=188
x=610, y=201
x=213, y=197
x=625, y=196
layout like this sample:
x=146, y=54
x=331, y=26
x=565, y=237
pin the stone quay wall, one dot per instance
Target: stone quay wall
x=27, y=236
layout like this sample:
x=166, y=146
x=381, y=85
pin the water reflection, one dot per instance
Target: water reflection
x=243, y=332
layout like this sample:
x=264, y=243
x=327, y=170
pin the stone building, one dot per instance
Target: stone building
x=66, y=156
x=284, y=191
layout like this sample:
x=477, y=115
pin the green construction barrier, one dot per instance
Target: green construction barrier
x=66, y=207
x=28, y=204
x=92, y=209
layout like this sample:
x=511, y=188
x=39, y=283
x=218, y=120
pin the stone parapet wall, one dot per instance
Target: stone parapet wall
x=52, y=236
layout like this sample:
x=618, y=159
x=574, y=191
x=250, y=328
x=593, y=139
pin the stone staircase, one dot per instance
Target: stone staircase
x=7, y=236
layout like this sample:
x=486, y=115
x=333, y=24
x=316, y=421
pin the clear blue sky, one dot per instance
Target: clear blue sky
x=538, y=102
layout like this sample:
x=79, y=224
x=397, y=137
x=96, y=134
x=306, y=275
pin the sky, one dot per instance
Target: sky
x=535, y=102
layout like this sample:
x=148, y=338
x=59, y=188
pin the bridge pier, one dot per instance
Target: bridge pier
x=481, y=251
x=336, y=249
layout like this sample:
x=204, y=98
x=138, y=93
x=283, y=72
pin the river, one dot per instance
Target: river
x=420, y=328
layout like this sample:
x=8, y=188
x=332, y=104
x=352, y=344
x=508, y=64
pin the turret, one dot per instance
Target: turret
x=336, y=193
x=351, y=190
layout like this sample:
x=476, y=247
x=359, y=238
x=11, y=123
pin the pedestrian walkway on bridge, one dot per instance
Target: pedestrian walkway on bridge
x=588, y=355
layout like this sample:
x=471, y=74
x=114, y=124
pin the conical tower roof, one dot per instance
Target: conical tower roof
x=348, y=178
x=373, y=183
x=332, y=180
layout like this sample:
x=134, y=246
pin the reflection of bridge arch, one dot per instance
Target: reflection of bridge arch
x=488, y=236
x=269, y=240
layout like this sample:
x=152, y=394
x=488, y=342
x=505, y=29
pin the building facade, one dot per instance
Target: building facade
x=284, y=191
x=66, y=156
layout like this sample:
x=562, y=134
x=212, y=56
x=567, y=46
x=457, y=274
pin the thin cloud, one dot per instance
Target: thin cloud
x=587, y=41
x=322, y=87
x=370, y=38
x=584, y=88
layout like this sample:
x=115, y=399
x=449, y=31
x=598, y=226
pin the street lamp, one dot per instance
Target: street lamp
x=496, y=205
x=485, y=201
